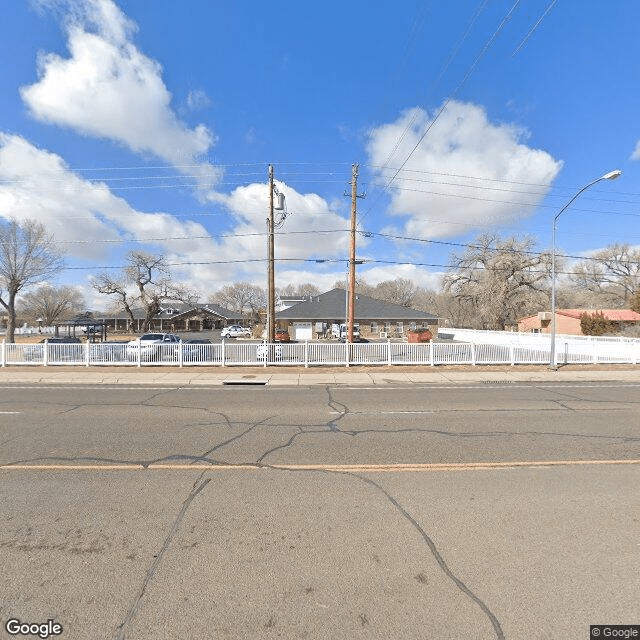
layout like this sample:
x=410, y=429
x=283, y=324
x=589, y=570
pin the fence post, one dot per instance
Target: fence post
x=432, y=348
x=473, y=354
x=4, y=355
x=389, y=351
x=594, y=346
x=45, y=352
x=306, y=354
x=87, y=355
x=512, y=354
x=346, y=349
x=180, y=354
x=223, y=353
x=139, y=352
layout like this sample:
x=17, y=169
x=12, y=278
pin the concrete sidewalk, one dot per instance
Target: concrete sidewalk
x=281, y=376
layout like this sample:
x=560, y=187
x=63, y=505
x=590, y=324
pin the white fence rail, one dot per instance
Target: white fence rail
x=535, y=348
x=483, y=350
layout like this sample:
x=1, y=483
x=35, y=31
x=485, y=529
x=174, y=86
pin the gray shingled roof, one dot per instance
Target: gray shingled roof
x=331, y=306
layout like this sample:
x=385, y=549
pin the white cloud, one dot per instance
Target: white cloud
x=93, y=224
x=636, y=152
x=107, y=88
x=86, y=218
x=463, y=175
x=305, y=213
x=198, y=99
x=419, y=275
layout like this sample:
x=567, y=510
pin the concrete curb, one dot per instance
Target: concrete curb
x=309, y=377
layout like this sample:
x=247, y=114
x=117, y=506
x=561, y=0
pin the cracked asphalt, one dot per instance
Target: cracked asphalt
x=439, y=510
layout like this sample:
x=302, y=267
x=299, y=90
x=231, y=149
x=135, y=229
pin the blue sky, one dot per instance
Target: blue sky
x=138, y=124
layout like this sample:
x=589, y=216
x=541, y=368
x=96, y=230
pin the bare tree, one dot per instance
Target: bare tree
x=306, y=289
x=28, y=256
x=454, y=311
x=612, y=275
x=502, y=279
x=51, y=303
x=361, y=286
x=243, y=297
x=634, y=302
x=145, y=281
x=399, y=291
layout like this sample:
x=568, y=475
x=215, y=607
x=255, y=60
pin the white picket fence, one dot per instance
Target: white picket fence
x=570, y=349
x=478, y=348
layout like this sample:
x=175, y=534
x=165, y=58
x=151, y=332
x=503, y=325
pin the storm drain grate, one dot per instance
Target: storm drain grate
x=497, y=382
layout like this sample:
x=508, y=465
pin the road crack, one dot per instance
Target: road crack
x=438, y=556
x=197, y=487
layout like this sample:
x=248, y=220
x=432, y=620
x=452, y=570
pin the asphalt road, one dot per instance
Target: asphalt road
x=429, y=511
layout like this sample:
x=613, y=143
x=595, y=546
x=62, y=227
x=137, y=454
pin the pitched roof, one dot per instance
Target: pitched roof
x=179, y=308
x=617, y=315
x=332, y=305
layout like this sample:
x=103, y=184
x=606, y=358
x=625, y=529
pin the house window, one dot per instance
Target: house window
x=387, y=327
x=399, y=327
x=374, y=327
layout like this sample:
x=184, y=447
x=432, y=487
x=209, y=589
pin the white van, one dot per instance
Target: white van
x=341, y=331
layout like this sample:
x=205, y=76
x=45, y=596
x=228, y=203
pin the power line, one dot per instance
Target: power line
x=476, y=246
x=183, y=238
x=326, y=260
x=461, y=84
x=518, y=203
x=453, y=94
x=535, y=26
x=443, y=70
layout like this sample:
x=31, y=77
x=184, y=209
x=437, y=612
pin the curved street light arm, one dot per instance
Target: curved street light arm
x=612, y=175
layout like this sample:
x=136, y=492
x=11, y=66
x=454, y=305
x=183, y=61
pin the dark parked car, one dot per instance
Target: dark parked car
x=194, y=350
x=36, y=351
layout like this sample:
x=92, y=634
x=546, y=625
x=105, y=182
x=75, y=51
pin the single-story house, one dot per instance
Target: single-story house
x=568, y=320
x=174, y=317
x=314, y=316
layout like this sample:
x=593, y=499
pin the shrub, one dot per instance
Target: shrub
x=596, y=324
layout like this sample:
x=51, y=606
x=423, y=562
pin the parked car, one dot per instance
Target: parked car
x=36, y=351
x=153, y=346
x=92, y=330
x=194, y=350
x=113, y=351
x=282, y=336
x=235, y=331
x=270, y=352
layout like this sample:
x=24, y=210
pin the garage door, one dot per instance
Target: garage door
x=303, y=330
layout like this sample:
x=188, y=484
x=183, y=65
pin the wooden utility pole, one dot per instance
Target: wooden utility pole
x=271, y=305
x=352, y=255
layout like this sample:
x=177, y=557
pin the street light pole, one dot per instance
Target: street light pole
x=612, y=175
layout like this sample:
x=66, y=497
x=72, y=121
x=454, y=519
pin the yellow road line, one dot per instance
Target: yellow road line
x=71, y=467
x=345, y=468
